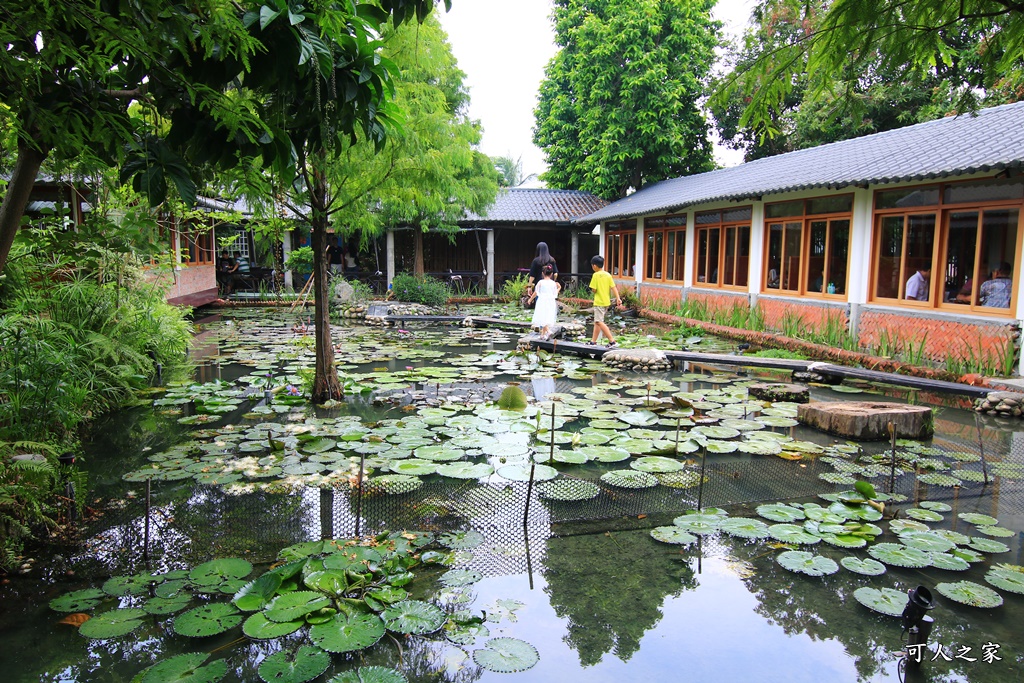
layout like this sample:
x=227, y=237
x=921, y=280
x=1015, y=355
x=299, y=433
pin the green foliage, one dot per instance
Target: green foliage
x=420, y=290
x=813, y=72
x=974, y=358
x=510, y=171
x=300, y=260
x=778, y=353
x=512, y=398
x=514, y=289
x=26, y=495
x=619, y=106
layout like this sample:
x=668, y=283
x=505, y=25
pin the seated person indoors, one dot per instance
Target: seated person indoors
x=995, y=293
x=917, y=285
x=964, y=295
x=226, y=267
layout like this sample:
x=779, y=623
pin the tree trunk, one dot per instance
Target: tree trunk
x=325, y=375
x=16, y=199
x=417, y=239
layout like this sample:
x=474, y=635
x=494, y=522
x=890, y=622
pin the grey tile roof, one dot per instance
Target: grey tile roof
x=991, y=140
x=521, y=205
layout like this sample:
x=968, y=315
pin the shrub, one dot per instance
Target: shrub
x=420, y=290
x=515, y=288
x=300, y=261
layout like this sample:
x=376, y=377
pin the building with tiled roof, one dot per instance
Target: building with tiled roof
x=913, y=235
x=501, y=243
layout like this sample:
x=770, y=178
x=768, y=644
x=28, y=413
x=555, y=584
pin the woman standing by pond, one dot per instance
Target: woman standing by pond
x=544, y=258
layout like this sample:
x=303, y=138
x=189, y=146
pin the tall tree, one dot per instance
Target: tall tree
x=71, y=69
x=510, y=170
x=974, y=48
x=619, y=103
x=807, y=115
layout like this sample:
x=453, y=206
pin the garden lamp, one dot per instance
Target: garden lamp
x=919, y=601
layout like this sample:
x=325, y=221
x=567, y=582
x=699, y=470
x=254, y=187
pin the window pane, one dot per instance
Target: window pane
x=890, y=255
x=714, y=240
x=736, y=215
x=613, y=254
x=702, y=256
x=816, y=256
x=680, y=254
x=998, y=244
x=654, y=223
x=958, y=283
x=784, y=209
x=984, y=191
x=708, y=217
x=838, y=246
x=628, y=262
x=743, y=255
x=843, y=204
x=670, y=257
x=910, y=196
x=654, y=255
x=728, y=278
x=918, y=265
x=673, y=221
x=791, y=256
x=774, y=255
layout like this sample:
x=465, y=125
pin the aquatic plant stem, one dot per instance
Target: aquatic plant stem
x=892, y=470
x=703, y=464
x=551, y=456
x=981, y=448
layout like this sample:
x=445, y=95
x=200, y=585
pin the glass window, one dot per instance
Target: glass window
x=620, y=238
x=808, y=256
x=995, y=265
x=784, y=209
x=838, y=248
x=737, y=215
x=907, y=197
x=820, y=205
x=918, y=267
x=655, y=256
x=723, y=251
x=984, y=191
x=889, y=257
x=708, y=217
x=665, y=237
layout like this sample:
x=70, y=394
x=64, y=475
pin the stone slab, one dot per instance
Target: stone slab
x=780, y=391
x=868, y=420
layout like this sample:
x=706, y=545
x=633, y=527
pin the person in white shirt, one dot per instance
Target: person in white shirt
x=917, y=285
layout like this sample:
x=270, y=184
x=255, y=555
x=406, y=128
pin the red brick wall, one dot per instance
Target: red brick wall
x=715, y=301
x=666, y=295
x=941, y=336
x=776, y=311
x=190, y=286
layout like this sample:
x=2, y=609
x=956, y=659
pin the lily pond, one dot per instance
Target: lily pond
x=674, y=527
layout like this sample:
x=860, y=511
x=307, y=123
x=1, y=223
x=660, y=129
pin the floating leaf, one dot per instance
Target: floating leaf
x=997, y=531
x=78, y=601
x=392, y=484
x=207, y=620
x=844, y=540
x=218, y=571
x=347, y=632
x=899, y=555
x=300, y=666
x=744, y=527
x=885, y=600
x=807, y=563
x=791, y=533
x=1008, y=577
x=464, y=470
x=461, y=540
x=949, y=562
x=867, y=566
x=568, y=490
x=413, y=617
x=460, y=577
x=970, y=593
x=259, y=627
x=987, y=545
x=76, y=619
x=935, y=506
x=656, y=464
x=465, y=634
x=899, y=526
x=976, y=518
x=162, y=606
x=112, y=624
x=672, y=534
x=522, y=472
x=506, y=655
x=256, y=594
x=186, y=668
x=639, y=418
x=924, y=515
x=119, y=586
x=937, y=479
x=927, y=541
x=291, y=606
x=629, y=479
x=512, y=398
x=370, y=674
x=780, y=512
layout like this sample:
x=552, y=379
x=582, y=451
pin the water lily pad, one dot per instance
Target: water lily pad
x=392, y=484
x=185, y=668
x=465, y=634
x=885, y=600
x=987, y=545
x=1008, y=577
x=413, y=617
x=218, y=571
x=460, y=577
x=978, y=519
x=924, y=515
x=997, y=531
x=522, y=472
x=970, y=593
x=259, y=627
x=745, y=527
x=807, y=563
x=119, y=586
x=256, y=594
x=927, y=541
x=112, y=624
x=163, y=606
x=791, y=533
x=370, y=674
x=78, y=601
x=949, y=562
x=967, y=555
x=506, y=655
x=461, y=540
x=938, y=479
x=842, y=540
x=413, y=467
x=899, y=526
x=866, y=566
x=656, y=464
x=465, y=470
x=605, y=453
x=207, y=620
x=347, y=632
x=935, y=506
x=291, y=606
x=780, y=512
x=899, y=555
x=716, y=447
x=629, y=479
x=672, y=534
x=638, y=418
x=568, y=490
x=300, y=666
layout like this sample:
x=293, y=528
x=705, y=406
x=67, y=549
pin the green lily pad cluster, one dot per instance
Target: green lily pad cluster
x=342, y=595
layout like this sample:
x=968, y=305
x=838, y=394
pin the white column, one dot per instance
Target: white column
x=286, y=250
x=600, y=240
x=858, y=284
x=756, y=248
x=490, y=262
x=689, y=263
x=390, y=256
x=638, y=268
x=574, y=252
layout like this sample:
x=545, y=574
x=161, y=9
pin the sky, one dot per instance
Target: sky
x=503, y=54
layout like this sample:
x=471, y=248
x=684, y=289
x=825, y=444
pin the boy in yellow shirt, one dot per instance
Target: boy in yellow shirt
x=602, y=284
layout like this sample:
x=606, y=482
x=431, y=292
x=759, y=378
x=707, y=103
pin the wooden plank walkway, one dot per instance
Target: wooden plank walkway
x=785, y=364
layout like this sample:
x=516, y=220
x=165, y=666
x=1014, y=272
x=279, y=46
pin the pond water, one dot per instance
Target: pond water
x=569, y=565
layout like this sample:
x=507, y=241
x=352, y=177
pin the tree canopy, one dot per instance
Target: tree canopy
x=619, y=105
x=855, y=59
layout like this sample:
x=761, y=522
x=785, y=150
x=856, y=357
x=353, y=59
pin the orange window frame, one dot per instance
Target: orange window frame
x=712, y=243
x=664, y=246
x=805, y=222
x=620, y=248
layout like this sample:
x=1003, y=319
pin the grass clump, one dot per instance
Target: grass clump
x=420, y=290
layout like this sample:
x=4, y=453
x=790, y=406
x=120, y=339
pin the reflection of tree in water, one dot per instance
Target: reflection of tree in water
x=611, y=587
x=825, y=609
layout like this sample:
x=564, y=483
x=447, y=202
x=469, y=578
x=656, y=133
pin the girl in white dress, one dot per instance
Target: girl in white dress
x=546, y=294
